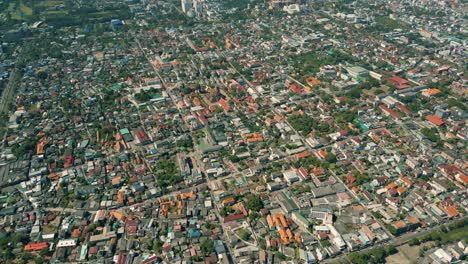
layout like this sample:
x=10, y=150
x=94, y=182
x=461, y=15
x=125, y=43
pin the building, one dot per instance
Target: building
x=187, y=5
x=192, y=7
x=399, y=82
x=291, y=176
x=357, y=72
x=36, y=246
x=198, y=7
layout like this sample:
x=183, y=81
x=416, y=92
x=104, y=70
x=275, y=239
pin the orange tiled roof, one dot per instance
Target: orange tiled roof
x=432, y=91
x=451, y=211
x=391, y=185
x=120, y=197
x=312, y=81
x=436, y=120
x=406, y=181
x=303, y=154
x=399, y=224
x=254, y=137
x=401, y=190
x=36, y=246
x=463, y=179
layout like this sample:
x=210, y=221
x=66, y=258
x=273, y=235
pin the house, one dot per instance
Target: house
x=435, y=120
x=304, y=174
x=400, y=226
x=399, y=82
x=142, y=138
x=430, y=92
x=389, y=112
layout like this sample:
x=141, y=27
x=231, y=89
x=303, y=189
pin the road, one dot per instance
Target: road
x=165, y=84
x=64, y=210
x=396, y=241
x=9, y=91
x=224, y=232
x=195, y=158
x=7, y=95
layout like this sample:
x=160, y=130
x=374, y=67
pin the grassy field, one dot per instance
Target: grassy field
x=18, y=12
x=455, y=235
x=11, y=7
x=54, y=12
x=26, y=10
x=372, y=92
x=386, y=21
x=23, y=12
x=50, y=3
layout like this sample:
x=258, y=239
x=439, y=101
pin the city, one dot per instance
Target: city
x=233, y=131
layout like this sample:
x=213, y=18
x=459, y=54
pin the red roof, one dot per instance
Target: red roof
x=403, y=109
x=303, y=154
x=234, y=217
x=389, y=111
x=224, y=105
x=350, y=179
x=202, y=119
x=141, y=136
x=122, y=258
x=462, y=178
x=151, y=259
x=304, y=173
x=436, y=120
x=295, y=89
x=93, y=250
x=397, y=80
x=36, y=246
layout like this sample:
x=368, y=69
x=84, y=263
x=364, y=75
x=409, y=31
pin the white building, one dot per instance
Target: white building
x=291, y=176
x=192, y=7
x=187, y=5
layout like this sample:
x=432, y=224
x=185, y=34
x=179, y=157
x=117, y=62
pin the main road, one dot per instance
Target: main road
x=396, y=241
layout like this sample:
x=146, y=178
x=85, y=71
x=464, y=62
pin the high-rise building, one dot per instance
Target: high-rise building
x=187, y=5
x=198, y=7
x=192, y=7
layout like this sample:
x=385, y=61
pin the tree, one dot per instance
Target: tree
x=330, y=158
x=378, y=254
x=354, y=93
x=186, y=142
x=414, y=242
x=244, y=235
x=390, y=249
x=378, y=91
x=431, y=134
x=280, y=256
x=157, y=246
x=253, y=203
x=26, y=257
x=44, y=252
x=8, y=255
x=207, y=247
x=392, y=230
x=187, y=90
x=28, y=145
x=225, y=211
x=42, y=75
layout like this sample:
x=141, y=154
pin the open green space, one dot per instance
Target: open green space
x=18, y=11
